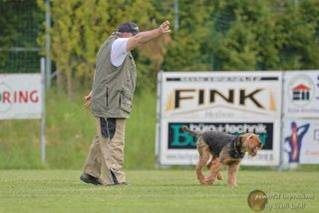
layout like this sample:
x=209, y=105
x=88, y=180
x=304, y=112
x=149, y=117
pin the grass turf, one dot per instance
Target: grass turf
x=150, y=191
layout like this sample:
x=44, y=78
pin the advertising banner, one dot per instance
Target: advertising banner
x=300, y=141
x=20, y=96
x=232, y=102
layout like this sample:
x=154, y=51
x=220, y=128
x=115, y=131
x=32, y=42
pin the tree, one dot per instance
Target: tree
x=266, y=35
x=188, y=50
x=80, y=27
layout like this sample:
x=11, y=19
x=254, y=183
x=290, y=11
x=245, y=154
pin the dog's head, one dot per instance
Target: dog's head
x=251, y=143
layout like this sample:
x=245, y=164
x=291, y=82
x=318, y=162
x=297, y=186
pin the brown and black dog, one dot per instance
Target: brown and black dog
x=222, y=149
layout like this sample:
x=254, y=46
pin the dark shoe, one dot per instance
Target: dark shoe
x=86, y=178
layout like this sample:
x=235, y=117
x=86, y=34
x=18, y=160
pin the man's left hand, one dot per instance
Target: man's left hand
x=88, y=99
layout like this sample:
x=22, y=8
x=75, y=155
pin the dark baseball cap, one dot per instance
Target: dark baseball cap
x=128, y=27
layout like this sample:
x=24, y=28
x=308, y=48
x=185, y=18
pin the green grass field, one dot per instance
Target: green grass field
x=150, y=191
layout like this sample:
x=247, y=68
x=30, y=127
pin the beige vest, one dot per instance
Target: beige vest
x=113, y=87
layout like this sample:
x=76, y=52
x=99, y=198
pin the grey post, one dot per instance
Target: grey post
x=282, y=119
x=48, y=42
x=42, y=130
x=176, y=10
x=159, y=116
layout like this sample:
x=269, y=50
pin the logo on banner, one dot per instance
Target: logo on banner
x=207, y=97
x=8, y=97
x=178, y=139
x=301, y=90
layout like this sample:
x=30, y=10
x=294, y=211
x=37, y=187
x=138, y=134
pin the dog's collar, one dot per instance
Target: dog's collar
x=236, y=148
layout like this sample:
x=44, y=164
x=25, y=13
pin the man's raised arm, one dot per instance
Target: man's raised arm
x=146, y=36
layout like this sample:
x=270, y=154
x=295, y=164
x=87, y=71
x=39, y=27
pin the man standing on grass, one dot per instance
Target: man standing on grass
x=111, y=99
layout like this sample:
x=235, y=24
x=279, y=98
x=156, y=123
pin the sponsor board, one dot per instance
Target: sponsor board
x=221, y=94
x=224, y=101
x=300, y=141
x=20, y=96
x=182, y=146
x=301, y=91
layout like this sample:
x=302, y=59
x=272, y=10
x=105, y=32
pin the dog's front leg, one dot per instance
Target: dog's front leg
x=203, y=158
x=232, y=170
x=219, y=175
x=214, y=171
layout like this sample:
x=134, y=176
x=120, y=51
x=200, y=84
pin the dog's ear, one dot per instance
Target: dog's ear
x=253, y=136
x=249, y=137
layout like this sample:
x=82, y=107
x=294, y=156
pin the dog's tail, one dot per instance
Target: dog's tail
x=195, y=133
